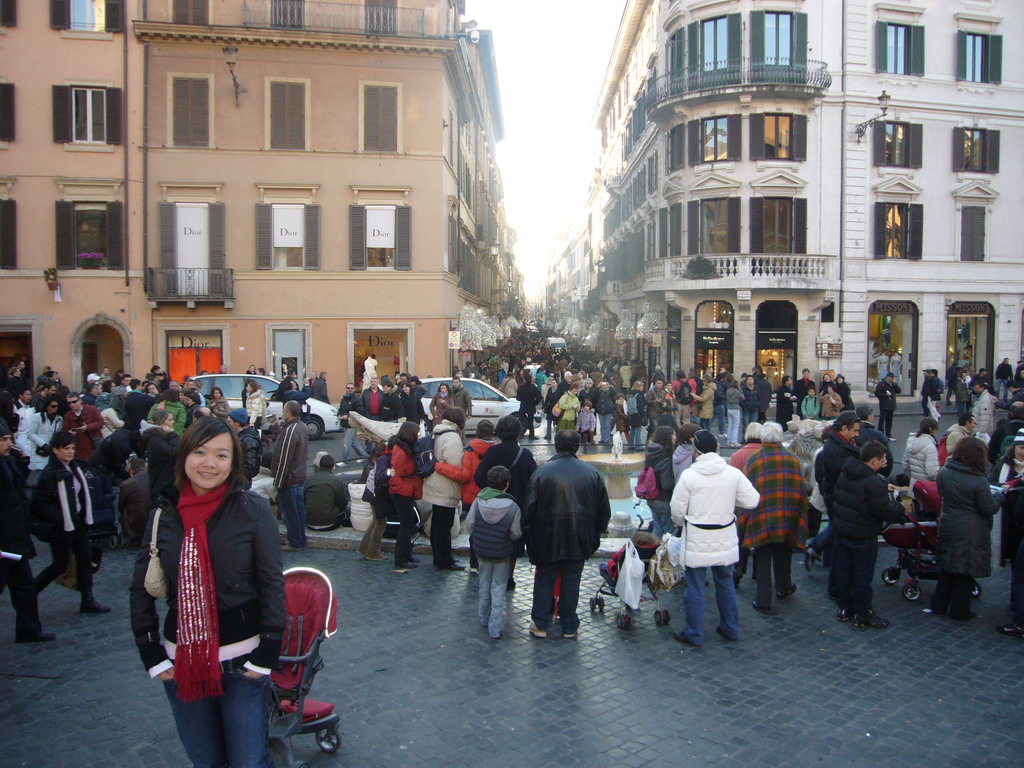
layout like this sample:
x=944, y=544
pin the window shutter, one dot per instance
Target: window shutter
x=693, y=227
x=115, y=235
x=278, y=107
x=677, y=144
x=799, y=137
x=357, y=237
x=916, y=138
x=757, y=225
x=371, y=118
x=114, y=116
x=403, y=237
x=756, y=149
x=757, y=37
x=181, y=107
x=878, y=136
x=191, y=109
x=65, y=239
x=972, y=233
x=182, y=11
x=60, y=14
x=389, y=120
x=961, y=55
x=992, y=151
x=958, y=149
x=881, y=46
x=734, y=25
x=800, y=39
x=917, y=51
x=61, y=114
x=693, y=140
x=915, y=228
x=734, y=140
x=663, y=233
x=311, y=249
x=6, y=111
x=799, y=225
x=9, y=13
x=675, y=235
x=114, y=18
x=217, y=280
x=995, y=59
x=8, y=234
x=676, y=62
x=880, y=211
x=693, y=47
x=168, y=258
x=733, y=226
x=264, y=236
x=296, y=115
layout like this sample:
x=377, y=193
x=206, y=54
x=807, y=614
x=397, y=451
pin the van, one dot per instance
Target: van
x=556, y=342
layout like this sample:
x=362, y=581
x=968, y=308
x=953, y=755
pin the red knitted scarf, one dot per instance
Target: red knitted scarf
x=196, y=662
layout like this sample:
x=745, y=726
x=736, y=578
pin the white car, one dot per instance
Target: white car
x=488, y=403
x=319, y=416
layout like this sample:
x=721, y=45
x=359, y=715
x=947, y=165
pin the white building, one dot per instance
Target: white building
x=756, y=194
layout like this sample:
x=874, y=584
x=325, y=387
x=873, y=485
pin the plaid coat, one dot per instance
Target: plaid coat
x=781, y=515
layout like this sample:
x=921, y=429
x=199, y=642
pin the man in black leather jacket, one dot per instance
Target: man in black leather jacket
x=566, y=513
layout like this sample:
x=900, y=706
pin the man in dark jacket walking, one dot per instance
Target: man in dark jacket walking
x=137, y=405
x=252, y=446
x=289, y=470
x=460, y=396
x=840, y=445
x=886, y=392
x=868, y=432
x=861, y=508
x=16, y=539
x=351, y=403
x=566, y=513
x=604, y=404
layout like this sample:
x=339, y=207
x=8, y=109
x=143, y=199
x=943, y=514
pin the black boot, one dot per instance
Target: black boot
x=89, y=604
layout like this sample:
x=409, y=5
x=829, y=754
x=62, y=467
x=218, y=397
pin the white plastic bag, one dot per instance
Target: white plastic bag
x=677, y=549
x=631, y=577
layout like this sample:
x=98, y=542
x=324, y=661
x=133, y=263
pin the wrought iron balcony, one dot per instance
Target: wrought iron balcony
x=190, y=284
x=743, y=271
x=312, y=15
x=800, y=79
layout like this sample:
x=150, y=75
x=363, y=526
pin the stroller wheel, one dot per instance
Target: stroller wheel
x=600, y=604
x=593, y=605
x=891, y=575
x=976, y=590
x=665, y=616
x=623, y=621
x=911, y=590
x=659, y=618
x=328, y=741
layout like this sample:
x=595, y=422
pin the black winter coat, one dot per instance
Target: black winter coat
x=661, y=461
x=245, y=552
x=504, y=453
x=965, y=526
x=252, y=451
x=113, y=452
x=862, y=506
x=529, y=398
x=868, y=432
x=567, y=511
x=14, y=531
x=161, y=451
x=832, y=460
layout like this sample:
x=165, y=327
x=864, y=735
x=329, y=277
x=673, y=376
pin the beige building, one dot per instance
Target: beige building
x=312, y=182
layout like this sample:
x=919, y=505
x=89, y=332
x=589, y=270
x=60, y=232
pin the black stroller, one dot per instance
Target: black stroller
x=610, y=576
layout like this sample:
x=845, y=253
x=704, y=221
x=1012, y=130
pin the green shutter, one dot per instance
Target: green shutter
x=915, y=227
x=881, y=46
x=961, y=55
x=734, y=23
x=995, y=59
x=798, y=149
x=115, y=235
x=217, y=281
x=880, y=212
x=62, y=133
x=958, y=149
x=114, y=16
x=734, y=137
x=264, y=236
x=757, y=225
x=357, y=237
x=733, y=226
x=799, y=225
x=693, y=140
x=878, y=137
x=403, y=237
x=311, y=246
x=65, y=235
x=916, y=145
x=755, y=150
x=676, y=229
x=168, y=236
x=693, y=47
x=663, y=233
x=693, y=227
x=992, y=151
x=800, y=39
x=917, y=51
x=115, y=121
x=756, y=37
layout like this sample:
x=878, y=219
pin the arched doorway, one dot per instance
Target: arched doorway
x=99, y=342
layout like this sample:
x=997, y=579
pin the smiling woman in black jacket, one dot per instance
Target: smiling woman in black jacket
x=221, y=555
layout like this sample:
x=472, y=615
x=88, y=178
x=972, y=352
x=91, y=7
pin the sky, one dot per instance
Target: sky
x=551, y=59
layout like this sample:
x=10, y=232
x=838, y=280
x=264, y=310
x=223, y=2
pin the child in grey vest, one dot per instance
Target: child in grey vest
x=493, y=524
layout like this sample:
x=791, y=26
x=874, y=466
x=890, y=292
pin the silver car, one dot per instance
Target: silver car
x=488, y=403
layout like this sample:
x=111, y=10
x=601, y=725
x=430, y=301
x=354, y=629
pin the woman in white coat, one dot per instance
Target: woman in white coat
x=704, y=502
x=41, y=429
x=443, y=492
x=921, y=457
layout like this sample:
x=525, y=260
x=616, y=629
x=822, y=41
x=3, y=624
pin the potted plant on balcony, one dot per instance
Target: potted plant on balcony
x=91, y=260
x=50, y=276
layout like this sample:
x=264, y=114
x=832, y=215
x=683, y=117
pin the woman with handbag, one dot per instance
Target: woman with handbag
x=61, y=514
x=218, y=560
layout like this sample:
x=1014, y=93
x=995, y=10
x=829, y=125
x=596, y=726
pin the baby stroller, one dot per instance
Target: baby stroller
x=105, y=528
x=646, y=546
x=311, y=616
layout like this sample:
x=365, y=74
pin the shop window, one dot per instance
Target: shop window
x=898, y=144
x=979, y=58
x=380, y=237
x=891, y=342
x=192, y=353
x=899, y=49
x=969, y=335
x=975, y=149
x=713, y=344
x=899, y=230
x=86, y=115
x=88, y=235
x=287, y=236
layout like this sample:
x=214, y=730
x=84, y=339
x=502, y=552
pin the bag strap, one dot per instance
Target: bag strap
x=152, y=541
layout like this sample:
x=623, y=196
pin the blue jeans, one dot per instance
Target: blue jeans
x=605, y=420
x=734, y=425
x=360, y=449
x=705, y=424
x=725, y=599
x=634, y=437
x=749, y=416
x=853, y=563
x=720, y=415
x=1001, y=385
x=292, y=503
x=569, y=598
x=226, y=730
x=661, y=518
x=493, y=580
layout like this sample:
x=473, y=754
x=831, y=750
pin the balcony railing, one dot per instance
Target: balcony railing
x=190, y=284
x=769, y=270
x=317, y=16
x=810, y=76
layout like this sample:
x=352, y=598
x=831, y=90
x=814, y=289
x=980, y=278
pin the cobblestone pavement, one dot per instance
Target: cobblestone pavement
x=418, y=682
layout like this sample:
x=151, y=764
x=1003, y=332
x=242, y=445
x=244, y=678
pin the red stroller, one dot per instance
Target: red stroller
x=311, y=616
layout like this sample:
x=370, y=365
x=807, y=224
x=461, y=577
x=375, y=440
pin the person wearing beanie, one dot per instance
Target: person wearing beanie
x=704, y=503
x=252, y=446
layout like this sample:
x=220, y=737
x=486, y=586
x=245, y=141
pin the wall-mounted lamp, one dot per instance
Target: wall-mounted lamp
x=231, y=57
x=883, y=103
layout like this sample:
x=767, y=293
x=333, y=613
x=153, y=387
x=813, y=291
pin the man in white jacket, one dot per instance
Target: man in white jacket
x=704, y=502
